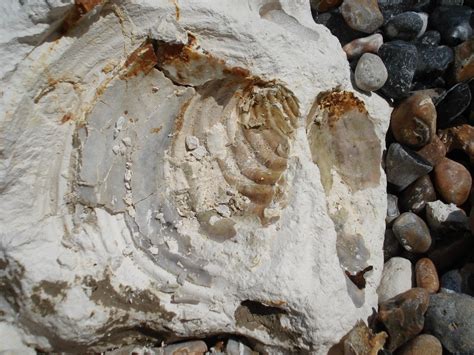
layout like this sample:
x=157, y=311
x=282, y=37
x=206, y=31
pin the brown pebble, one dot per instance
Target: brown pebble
x=423, y=344
x=426, y=275
x=415, y=197
x=434, y=151
x=412, y=232
x=464, y=60
x=460, y=137
x=403, y=316
x=362, y=15
x=452, y=181
x=413, y=122
x=359, y=46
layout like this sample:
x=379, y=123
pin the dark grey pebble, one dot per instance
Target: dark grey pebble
x=431, y=38
x=392, y=208
x=451, y=281
x=415, y=197
x=432, y=59
x=456, y=100
x=450, y=318
x=406, y=26
x=403, y=166
x=400, y=59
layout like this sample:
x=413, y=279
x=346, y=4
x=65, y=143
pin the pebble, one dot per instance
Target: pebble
x=324, y=5
x=453, y=23
x=392, y=208
x=451, y=281
x=406, y=26
x=432, y=59
x=396, y=278
x=413, y=121
x=464, y=60
x=404, y=166
x=400, y=59
x=334, y=21
x=442, y=217
x=391, y=245
x=391, y=8
x=456, y=100
x=431, y=38
x=412, y=233
x=415, y=197
x=423, y=344
x=467, y=279
x=434, y=151
x=459, y=137
x=426, y=275
x=196, y=347
x=450, y=317
x=362, y=15
x=452, y=181
x=359, y=46
x=370, y=73
x=402, y=316
x=237, y=348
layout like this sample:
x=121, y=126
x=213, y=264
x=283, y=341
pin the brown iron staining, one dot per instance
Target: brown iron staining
x=142, y=60
x=342, y=138
x=79, y=10
x=188, y=64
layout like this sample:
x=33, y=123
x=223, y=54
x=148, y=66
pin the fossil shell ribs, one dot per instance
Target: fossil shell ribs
x=232, y=144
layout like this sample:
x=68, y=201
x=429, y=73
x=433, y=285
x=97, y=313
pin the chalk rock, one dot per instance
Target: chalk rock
x=109, y=223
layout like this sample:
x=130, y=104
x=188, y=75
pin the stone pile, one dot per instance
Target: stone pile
x=420, y=57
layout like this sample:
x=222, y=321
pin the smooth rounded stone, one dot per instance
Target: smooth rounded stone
x=426, y=275
x=423, y=344
x=362, y=15
x=406, y=26
x=442, y=217
x=433, y=60
x=237, y=348
x=452, y=181
x=459, y=137
x=370, y=73
x=434, y=151
x=451, y=281
x=359, y=46
x=400, y=59
x=413, y=121
x=390, y=8
x=453, y=22
x=391, y=245
x=455, y=101
x=402, y=316
x=415, y=197
x=464, y=60
x=412, y=232
x=396, y=278
x=430, y=38
x=392, y=208
x=450, y=318
x=404, y=166
x=196, y=347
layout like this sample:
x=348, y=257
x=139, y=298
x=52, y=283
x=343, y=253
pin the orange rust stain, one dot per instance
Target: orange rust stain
x=156, y=129
x=81, y=7
x=175, y=2
x=337, y=103
x=142, y=60
x=180, y=118
x=67, y=117
x=237, y=71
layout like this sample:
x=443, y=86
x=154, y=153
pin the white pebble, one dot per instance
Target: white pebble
x=192, y=142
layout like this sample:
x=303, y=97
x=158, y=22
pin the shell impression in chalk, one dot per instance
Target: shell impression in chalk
x=185, y=169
